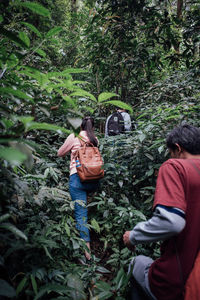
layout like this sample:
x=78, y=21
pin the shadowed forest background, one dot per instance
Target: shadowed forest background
x=61, y=60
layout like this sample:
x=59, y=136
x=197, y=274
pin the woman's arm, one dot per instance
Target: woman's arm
x=67, y=146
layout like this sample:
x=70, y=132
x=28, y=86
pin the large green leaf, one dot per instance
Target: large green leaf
x=88, y=109
x=121, y=279
x=75, y=122
x=25, y=119
x=45, y=126
x=83, y=93
x=104, y=290
x=47, y=252
x=4, y=217
x=41, y=52
x=76, y=284
x=21, y=285
x=139, y=214
x=102, y=270
x=24, y=37
x=53, y=32
x=95, y=225
x=36, y=8
x=73, y=70
x=75, y=244
x=104, y=286
x=32, y=73
x=80, y=82
x=36, y=74
x=16, y=93
x=14, y=230
x=119, y=104
x=34, y=284
x=106, y=96
x=12, y=155
x=69, y=100
x=55, y=75
x=31, y=143
x=52, y=288
x=26, y=150
x=69, y=84
x=11, y=36
x=12, y=61
x=104, y=295
x=32, y=28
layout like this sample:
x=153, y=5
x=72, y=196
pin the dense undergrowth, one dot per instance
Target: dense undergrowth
x=41, y=260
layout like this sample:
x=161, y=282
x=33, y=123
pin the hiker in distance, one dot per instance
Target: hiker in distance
x=118, y=122
x=79, y=190
x=175, y=221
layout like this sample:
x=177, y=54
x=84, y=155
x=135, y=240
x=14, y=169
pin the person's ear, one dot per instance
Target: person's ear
x=179, y=149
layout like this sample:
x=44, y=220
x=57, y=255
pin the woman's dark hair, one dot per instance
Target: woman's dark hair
x=186, y=136
x=88, y=125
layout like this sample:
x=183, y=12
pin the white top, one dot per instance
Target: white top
x=127, y=122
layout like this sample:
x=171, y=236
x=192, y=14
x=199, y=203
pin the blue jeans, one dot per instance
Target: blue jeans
x=78, y=191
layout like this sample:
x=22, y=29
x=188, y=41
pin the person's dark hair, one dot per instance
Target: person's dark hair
x=187, y=136
x=88, y=125
x=119, y=108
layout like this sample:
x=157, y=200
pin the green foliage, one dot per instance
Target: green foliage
x=36, y=8
x=13, y=229
x=139, y=54
x=12, y=155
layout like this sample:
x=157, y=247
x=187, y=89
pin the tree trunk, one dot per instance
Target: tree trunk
x=179, y=9
x=97, y=83
x=179, y=16
x=73, y=11
x=73, y=6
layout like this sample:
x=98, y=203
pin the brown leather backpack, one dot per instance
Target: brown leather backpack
x=89, y=163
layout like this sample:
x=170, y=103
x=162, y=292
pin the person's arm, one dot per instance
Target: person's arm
x=169, y=208
x=127, y=121
x=165, y=223
x=106, y=126
x=67, y=146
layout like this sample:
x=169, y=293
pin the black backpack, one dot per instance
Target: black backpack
x=116, y=124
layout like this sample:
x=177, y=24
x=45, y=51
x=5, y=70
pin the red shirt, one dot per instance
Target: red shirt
x=178, y=185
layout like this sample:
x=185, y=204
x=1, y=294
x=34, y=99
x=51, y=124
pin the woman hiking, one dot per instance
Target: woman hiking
x=79, y=190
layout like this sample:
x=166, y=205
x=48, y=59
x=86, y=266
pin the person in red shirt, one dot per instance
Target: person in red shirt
x=175, y=221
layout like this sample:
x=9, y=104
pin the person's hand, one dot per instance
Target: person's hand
x=127, y=242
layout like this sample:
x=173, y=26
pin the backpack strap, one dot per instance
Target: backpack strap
x=83, y=142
